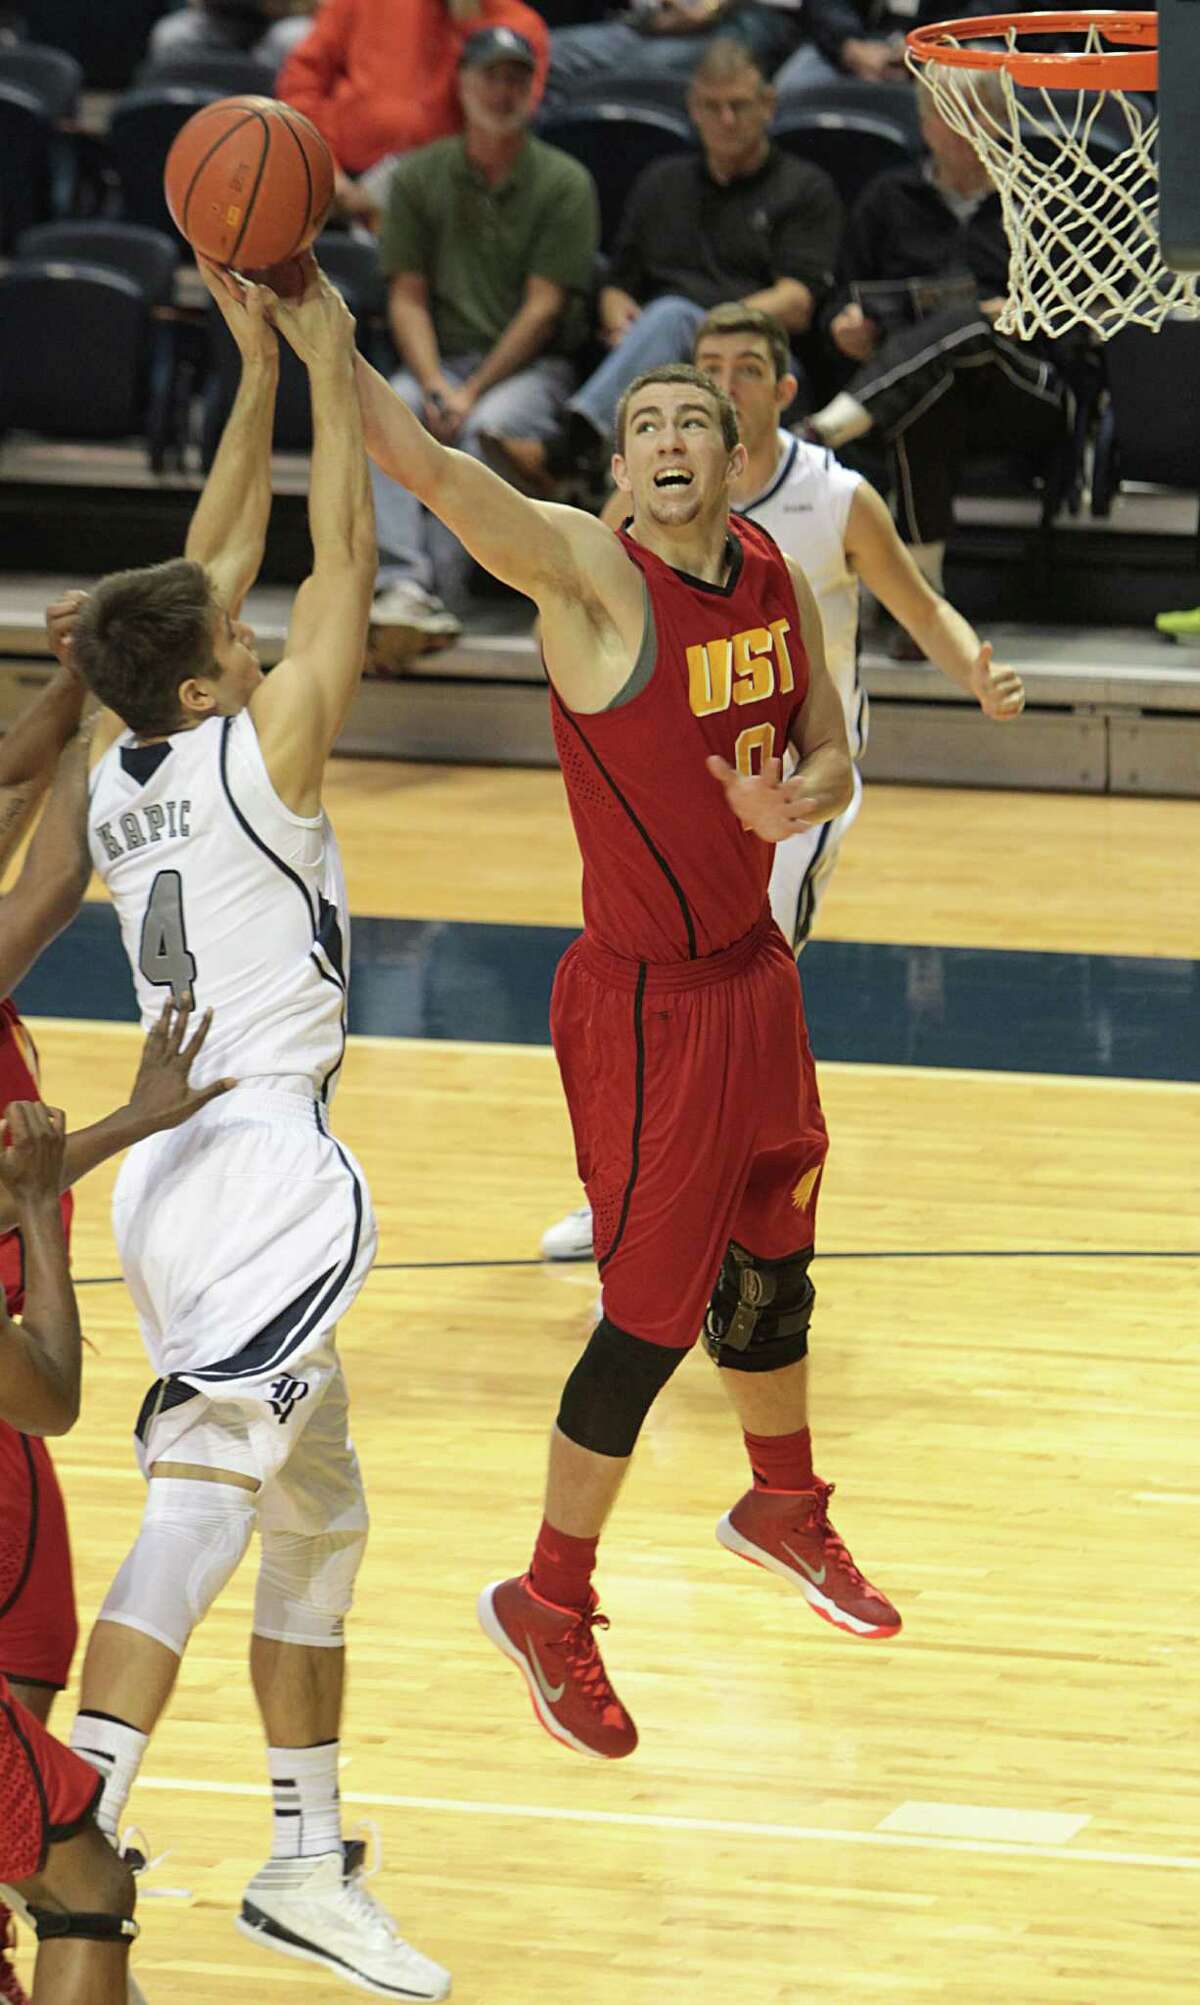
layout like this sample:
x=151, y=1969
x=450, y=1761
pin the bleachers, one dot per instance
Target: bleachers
x=143, y=434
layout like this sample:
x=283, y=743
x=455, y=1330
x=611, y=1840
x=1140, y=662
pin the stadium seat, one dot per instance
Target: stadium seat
x=150, y=259
x=225, y=71
x=897, y=104
x=27, y=139
x=107, y=37
x=614, y=142
x=74, y=352
x=140, y=136
x=852, y=146
x=51, y=74
x=643, y=88
x=1149, y=426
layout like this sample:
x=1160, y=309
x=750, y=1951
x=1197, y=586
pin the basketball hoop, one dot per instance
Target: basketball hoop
x=1071, y=150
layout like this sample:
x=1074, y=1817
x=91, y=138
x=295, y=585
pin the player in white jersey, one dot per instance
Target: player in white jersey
x=244, y=1237
x=835, y=525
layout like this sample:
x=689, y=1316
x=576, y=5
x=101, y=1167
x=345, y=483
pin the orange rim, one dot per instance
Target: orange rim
x=1134, y=69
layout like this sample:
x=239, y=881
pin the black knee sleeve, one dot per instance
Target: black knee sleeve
x=760, y=1311
x=612, y=1389
x=52, y=1925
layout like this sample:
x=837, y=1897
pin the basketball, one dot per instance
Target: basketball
x=248, y=182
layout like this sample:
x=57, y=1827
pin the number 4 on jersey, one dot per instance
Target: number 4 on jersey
x=164, y=959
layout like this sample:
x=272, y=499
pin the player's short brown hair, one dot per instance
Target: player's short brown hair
x=140, y=634
x=734, y=318
x=681, y=372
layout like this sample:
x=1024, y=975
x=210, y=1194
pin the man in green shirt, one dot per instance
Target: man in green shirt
x=488, y=242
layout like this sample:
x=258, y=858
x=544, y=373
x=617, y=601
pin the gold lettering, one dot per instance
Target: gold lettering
x=753, y=668
x=780, y=630
x=710, y=677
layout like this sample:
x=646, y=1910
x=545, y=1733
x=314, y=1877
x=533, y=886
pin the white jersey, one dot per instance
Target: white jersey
x=805, y=506
x=227, y=897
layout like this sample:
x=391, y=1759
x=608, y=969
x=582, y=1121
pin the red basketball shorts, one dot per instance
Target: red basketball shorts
x=694, y=1104
x=47, y=1793
x=38, y=1628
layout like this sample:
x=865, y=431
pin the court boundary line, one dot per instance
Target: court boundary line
x=373, y=1041
x=712, y=1826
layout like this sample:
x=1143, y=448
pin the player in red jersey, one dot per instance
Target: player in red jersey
x=684, y=658
x=79, y=1893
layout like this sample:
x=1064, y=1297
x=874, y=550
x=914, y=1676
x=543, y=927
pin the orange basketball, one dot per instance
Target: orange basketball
x=248, y=182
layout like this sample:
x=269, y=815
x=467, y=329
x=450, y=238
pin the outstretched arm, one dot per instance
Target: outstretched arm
x=54, y=876
x=41, y=1356
x=942, y=634
x=228, y=531
x=536, y=547
x=30, y=747
x=301, y=707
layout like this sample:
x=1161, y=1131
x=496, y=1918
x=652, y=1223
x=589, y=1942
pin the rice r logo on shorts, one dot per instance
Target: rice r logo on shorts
x=286, y=1392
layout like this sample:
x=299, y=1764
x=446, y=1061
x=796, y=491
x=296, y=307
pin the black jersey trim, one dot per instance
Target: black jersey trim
x=142, y=762
x=292, y=875
x=34, y=1519
x=10, y=1714
x=639, y=1095
x=639, y=825
x=737, y=558
x=774, y=484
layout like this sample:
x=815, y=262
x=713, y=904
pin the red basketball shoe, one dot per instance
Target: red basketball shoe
x=12, y=1991
x=788, y=1532
x=555, y=1649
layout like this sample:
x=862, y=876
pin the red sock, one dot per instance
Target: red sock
x=561, y=1568
x=781, y=1461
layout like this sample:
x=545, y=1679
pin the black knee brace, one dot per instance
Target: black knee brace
x=612, y=1389
x=52, y=1925
x=760, y=1311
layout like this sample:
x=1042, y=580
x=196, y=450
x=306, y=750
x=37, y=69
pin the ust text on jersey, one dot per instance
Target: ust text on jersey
x=739, y=669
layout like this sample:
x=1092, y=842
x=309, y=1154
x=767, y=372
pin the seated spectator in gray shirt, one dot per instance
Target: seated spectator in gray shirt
x=489, y=241
x=739, y=220
x=267, y=29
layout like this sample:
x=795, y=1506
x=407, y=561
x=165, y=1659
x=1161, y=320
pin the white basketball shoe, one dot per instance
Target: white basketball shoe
x=570, y=1238
x=319, y=1910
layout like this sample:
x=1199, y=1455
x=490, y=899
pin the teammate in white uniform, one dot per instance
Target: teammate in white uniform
x=245, y=1236
x=835, y=525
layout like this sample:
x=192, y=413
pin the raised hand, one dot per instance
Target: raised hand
x=61, y=618
x=245, y=309
x=31, y=1158
x=161, y=1096
x=766, y=804
x=320, y=326
x=998, y=690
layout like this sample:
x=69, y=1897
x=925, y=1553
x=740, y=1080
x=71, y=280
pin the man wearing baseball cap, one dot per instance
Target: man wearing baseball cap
x=488, y=243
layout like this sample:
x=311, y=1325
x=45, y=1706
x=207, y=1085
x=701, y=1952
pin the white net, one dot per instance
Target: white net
x=1077, y=178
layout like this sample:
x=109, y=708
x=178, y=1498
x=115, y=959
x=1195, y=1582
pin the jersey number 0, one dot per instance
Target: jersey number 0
x=164, y=958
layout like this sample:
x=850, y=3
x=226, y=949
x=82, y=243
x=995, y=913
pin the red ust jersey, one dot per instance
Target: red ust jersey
x=668, y=873
x=18, y=1081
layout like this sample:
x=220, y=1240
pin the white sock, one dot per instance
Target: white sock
x=304, y=1790
x=116, y=1751
x=842, y=419
x=928, y=558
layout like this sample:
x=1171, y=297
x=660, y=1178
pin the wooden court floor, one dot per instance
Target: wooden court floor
x=1000, y=1807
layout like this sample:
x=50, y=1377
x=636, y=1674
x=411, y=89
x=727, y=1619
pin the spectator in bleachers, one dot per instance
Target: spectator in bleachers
x=739, y=220
x=267, y=29
x=379, y=77
x=666, y=39
x=849, y=38
x=935, y=381
x=489, y=242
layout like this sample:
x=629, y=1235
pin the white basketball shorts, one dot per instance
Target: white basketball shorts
x=803, y=867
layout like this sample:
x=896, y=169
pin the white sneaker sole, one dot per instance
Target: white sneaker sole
x=334, y=1964
x=495, y=1632
x=558, y=1244
x=732, y=1540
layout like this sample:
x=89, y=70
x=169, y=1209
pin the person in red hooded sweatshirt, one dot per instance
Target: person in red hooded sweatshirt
x=379, y=77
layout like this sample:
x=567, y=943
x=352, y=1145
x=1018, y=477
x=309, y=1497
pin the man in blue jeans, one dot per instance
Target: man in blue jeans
x=665, y=39
x=739, y=220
